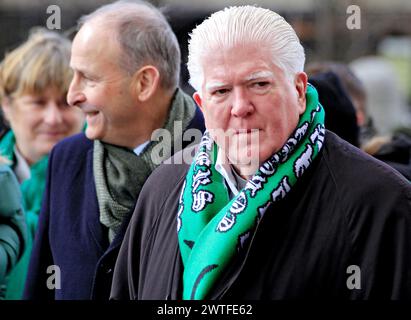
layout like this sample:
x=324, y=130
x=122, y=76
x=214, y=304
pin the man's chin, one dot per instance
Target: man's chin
x=249, y=158
x=92, y=134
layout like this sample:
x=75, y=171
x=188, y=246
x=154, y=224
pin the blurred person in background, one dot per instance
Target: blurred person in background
x=385, y=102
x=13, y=230
x=393, y=148
x=355, y=90
x=34, y=79
x=340, y=114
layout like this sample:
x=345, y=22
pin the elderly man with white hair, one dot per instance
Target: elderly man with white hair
x=272, y=205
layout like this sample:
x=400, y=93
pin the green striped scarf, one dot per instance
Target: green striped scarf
x=211, y=228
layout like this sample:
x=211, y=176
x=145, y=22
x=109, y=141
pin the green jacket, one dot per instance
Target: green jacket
x=13, y=230
x=32, y=191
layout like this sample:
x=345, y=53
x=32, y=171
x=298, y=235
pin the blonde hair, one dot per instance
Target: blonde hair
x=41, y=62
x=245, y=25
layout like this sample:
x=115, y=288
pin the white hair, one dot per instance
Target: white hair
x=244, y=24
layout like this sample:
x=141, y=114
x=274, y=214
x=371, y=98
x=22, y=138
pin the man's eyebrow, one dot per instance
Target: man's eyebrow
x=260, y=74
x=76, y=68
x=81, y=71
x=214, y=85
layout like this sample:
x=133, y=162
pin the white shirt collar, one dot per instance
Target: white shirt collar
x=224, y=168
x=141, y=147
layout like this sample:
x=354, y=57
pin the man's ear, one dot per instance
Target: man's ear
x=198, y=100
x=300, y=82
x=145, y=82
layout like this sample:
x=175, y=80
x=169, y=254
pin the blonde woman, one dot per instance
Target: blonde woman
x=34, y=79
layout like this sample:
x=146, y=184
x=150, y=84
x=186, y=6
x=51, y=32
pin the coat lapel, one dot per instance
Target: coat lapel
x=98, y=231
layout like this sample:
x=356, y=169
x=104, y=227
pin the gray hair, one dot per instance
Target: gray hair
x=244, y=24
x=145, y=37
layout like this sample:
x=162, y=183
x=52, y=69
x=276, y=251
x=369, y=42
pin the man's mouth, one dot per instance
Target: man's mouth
x=91, y=115
x=246, y=131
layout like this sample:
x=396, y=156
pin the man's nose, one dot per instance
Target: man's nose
x=75, y=96
x=241, y=105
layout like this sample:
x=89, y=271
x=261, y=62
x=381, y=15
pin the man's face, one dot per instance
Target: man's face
x=100, y=88
x=244, y=91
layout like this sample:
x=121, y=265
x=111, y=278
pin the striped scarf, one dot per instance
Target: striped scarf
x=211, y=228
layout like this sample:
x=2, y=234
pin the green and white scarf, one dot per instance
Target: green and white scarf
x=211, y=228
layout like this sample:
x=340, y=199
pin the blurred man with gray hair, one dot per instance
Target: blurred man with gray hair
x=126, y=62
x=314, y=217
